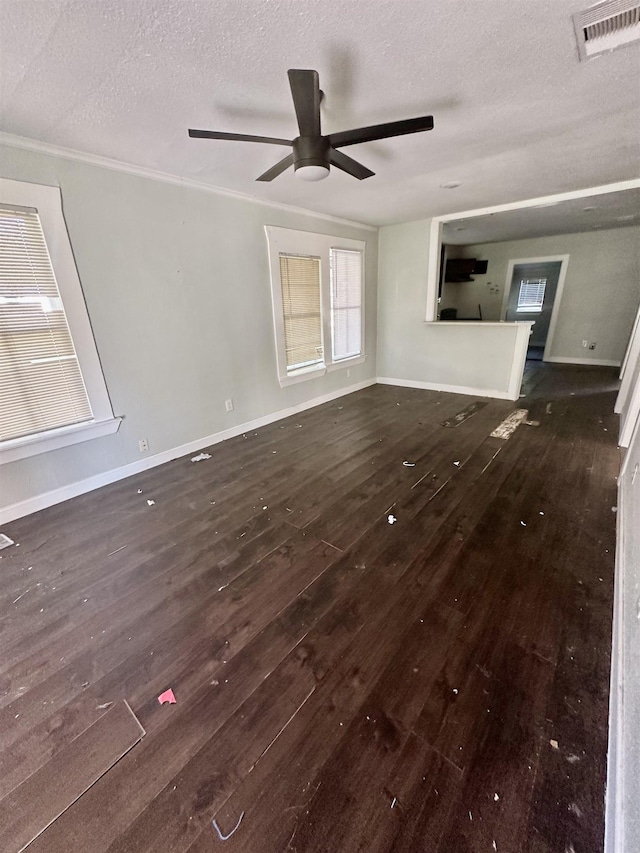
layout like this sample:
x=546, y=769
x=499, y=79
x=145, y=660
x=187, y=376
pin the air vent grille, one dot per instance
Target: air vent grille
x=607, y=26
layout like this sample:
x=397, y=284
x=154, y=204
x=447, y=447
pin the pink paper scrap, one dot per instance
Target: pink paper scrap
x=167, y=696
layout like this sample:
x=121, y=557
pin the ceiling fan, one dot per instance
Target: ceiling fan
x=314, y=153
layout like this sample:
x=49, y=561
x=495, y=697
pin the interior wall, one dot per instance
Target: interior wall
x=477, y=358
x=176, y=282
x=600, y=296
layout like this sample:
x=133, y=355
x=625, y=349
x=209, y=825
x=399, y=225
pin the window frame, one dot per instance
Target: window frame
x=47, y=200
x=311, y=244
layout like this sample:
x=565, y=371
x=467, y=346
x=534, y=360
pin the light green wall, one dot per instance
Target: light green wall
x=411, y=350
x=601, y=292
x=176, y=282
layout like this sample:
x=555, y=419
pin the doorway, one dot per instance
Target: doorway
x=532, y=289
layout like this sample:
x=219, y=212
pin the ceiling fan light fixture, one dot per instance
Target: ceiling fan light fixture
x=312, y=173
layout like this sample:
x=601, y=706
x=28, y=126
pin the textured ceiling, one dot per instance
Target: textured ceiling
x=516, y=114
x=610, y=210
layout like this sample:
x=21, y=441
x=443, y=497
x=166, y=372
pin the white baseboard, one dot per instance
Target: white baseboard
x=21, y=508
x=439, y=386
x=597, y=362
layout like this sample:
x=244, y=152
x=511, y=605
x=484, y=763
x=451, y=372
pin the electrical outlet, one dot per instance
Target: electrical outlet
x=143, y=445
x=585, y=344
x=228, y=404
x=592, y=346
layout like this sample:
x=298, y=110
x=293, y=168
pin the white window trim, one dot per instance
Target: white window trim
x=48, y=202
x=307, y=243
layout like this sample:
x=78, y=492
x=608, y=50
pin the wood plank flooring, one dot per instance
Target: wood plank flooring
x=438, y=684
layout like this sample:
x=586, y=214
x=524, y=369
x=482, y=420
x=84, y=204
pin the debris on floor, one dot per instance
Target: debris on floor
x=222, y=837
x=167, y=696
x=409, y=464
x=150, y=503
x=509, y=425
x=20, y=596
x=200, y=457
x=391, y=519
x=554, y=743
x=456, y=420
x=5, y=542
x=111, y=553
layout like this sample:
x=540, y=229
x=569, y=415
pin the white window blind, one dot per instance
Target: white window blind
x=346, y=303
x=41, y=386
x=531, y=295
x=300, y=282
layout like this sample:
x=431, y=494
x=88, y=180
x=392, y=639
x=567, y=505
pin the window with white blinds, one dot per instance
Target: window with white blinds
x=346, y=303
x=531, y=295
x=300, y=282
x=41, y=382
x=317, y=290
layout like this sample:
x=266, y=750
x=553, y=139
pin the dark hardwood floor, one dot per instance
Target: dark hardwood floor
x=438, y=684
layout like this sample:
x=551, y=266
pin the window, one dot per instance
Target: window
x=346, y=303
x=300, y=281
x=531, y=295
x=317, y=292
x=53, y=392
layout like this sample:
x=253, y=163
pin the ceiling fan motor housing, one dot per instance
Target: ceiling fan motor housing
x=311, y=151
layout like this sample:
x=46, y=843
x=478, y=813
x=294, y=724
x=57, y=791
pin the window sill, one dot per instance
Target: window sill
x=302, y=375
x=20, y=448
x=346, y=362
x=318, y=370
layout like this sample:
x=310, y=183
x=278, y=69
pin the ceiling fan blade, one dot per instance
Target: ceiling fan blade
x=236, y=137
x=305, y=90
x=349, y=165
x=381, y=131
x=276, y=170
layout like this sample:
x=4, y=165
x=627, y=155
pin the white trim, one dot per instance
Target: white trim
x=630, y=421
x=433, y=269
x=540, y=201
x=435, y=231
x=628, y=368
x=48, y=202
x=346, y=362
x=441, y=386
x=302, y=375
x=485, y=324
x=24, y=143
x=31, y=445
x=596, y=362
x=562, y=276
x=291, y=241
x=26, y=507
x=519, y=359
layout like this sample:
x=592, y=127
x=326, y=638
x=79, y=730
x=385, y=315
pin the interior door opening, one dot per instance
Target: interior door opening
x=531, y=296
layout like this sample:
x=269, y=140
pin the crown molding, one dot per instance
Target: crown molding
x=27, y=144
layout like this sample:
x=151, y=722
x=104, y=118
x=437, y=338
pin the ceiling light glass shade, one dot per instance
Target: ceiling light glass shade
x=312, y=173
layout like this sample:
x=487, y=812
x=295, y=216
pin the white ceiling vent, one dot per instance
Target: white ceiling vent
x=606, y=26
